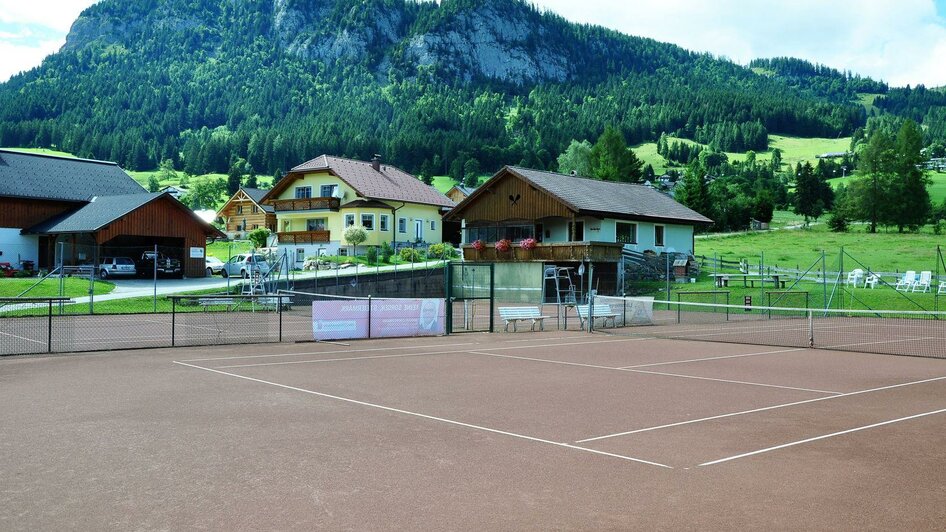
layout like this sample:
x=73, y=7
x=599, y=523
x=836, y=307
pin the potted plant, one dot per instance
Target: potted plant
x=527, y=245
x=503, y=245
x=479, y=246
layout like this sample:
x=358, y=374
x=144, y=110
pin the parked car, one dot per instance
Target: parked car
x=214, y=265
x=165, y=265
x=244, y=265
x=116, y=267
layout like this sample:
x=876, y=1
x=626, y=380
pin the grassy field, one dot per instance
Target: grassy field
x=225, y=250
x=883, y=251
x=72, y=286
x=42, y=151
x=443, y=183
x=794, y=150
x=937, y=188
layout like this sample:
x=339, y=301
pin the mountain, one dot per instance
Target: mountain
x=433, y=87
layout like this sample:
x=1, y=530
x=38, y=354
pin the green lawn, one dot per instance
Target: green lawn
x=42, y=151
x=794, y=150
x=884, y=251
x=937, y=188
x=73, y=287
x=225, y=250
x=444, y=183
x=781, y=219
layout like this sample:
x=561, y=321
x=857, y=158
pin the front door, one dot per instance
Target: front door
x=419, y=230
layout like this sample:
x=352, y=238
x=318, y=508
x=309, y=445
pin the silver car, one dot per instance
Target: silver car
x=245, y=265
x=116, y=267
x=214, y=265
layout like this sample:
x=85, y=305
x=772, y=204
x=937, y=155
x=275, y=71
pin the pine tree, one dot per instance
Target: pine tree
x=612, y=160
x=808, y=193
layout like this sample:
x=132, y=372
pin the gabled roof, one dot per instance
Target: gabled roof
x=464, y=189
x=257, y=196
x=31, y=175
x=388, y=183
x=590, y=196
x=94, y=216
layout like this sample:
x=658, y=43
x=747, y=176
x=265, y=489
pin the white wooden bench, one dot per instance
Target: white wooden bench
x=601, y=312
x=516, y=314
x=217, y=302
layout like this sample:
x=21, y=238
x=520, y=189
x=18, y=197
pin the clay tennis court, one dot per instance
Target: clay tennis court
x=562, y=430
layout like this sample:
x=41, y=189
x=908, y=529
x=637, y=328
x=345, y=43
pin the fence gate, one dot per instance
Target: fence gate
x=470, y=289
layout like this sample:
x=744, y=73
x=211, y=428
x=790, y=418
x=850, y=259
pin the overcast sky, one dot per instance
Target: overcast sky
x=899, y=41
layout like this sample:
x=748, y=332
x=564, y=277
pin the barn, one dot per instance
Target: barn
x=60, y=210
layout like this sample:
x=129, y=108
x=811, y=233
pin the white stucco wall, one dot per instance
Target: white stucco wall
x=17, y=247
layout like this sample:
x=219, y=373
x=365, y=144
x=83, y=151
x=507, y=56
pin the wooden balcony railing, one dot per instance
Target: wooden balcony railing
x=549, y=252
x=309, y=204
x=305, y=237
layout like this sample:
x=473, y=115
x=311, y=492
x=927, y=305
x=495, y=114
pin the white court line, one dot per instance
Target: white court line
x=731, y=381
x=829, y=347
x=403, y=355
x=452, y=352
x=22, y=338
x=755, y=410
x=426, y=416
x=747, y=383
x=816, y=438
x=365, y=350
x=714, y=358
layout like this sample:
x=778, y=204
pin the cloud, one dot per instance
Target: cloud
x=901, y=42
x=19, y=57
x=54, y=14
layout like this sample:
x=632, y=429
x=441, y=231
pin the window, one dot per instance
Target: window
x=658, y=235
x=255, y=226
x=576, y=231
x=300, y=255
x=433, y=225
x=316, y=224
x=303, y=192
x=384, y=223
x=402, y=225
x=342, y=252
x=255, y=209
x=327, y=191
x=626, y=233
x=349, y=220
x=367, y=221
x=239, y=209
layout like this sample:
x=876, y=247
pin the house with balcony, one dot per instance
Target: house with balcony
x=575, y=221
x=317, y=200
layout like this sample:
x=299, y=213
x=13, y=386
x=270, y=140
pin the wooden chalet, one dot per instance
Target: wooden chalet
x=245, y=211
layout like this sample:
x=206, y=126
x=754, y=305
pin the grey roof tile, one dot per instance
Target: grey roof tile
x=95, y=215
x=625, y=199
x=29, y=175
x=257, y=196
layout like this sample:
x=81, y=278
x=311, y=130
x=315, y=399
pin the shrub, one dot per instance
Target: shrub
x=355, y=235
x=372, y=255
x=938, y=227
x=442, y=251
x=410, y=255
x=258, y=237
x=386, y=252
x=838, y=223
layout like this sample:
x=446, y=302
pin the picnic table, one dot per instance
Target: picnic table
x=748, y=279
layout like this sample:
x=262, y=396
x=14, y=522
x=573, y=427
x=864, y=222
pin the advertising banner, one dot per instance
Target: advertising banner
x=387, y=318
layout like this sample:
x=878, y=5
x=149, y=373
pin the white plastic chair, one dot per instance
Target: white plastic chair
x=906, y=281
x=871, y=281
x=923, y=285
x=854, y=277
x=942, y=288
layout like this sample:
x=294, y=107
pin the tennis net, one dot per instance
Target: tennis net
x=894, y=332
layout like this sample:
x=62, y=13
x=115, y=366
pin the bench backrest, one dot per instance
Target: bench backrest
x=599, y=310
x=512, y=313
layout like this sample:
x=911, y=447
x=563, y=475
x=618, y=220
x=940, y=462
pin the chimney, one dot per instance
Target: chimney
x=376, y=163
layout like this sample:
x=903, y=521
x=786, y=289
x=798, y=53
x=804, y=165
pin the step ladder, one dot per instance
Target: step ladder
x=564, y=287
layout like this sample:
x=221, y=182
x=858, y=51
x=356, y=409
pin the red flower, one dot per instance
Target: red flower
x=528, y=243
x=478, y=245
x=504, y=245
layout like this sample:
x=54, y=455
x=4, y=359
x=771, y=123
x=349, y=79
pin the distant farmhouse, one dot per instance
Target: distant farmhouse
x=833, y=155
x=459, y=192
x=317, y=200
x=78, y=211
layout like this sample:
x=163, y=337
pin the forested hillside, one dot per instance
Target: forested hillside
x=434, y=88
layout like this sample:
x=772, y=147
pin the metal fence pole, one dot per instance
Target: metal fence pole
x=155, y=279
x=369, y=316
x=492, y=295
x=279, y=311
x=173, y=318
x=49, y=328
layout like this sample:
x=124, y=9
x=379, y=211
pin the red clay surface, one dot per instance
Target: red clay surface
x=555, y=430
